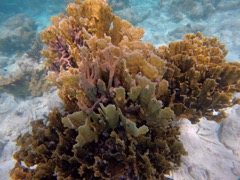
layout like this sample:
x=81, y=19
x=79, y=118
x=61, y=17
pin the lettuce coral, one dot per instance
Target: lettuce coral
x=121, y=96
x=202, y=81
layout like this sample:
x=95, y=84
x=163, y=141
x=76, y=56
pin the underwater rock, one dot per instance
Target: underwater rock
x=3, y=61
x=133, y=16
x=230, y=5
x=191, y=9
x=177, y=14
x=35, y=51
x=2, y=144
x=118, y=4
x=179, y=32
x=17, y=34
x=23, y=78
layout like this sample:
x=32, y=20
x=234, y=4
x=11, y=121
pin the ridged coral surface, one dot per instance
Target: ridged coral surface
x=121, y=98
x=201, y=80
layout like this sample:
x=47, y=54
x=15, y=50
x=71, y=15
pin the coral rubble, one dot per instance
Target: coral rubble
x=121, y=98
x=24, y=78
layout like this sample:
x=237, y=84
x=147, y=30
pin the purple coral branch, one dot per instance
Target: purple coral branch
x=64, y=60
x=110, y=66
x=89, y=74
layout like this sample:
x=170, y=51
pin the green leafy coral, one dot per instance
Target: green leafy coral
x=121, y=97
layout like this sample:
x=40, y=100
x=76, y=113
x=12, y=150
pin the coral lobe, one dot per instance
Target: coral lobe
x=121, y=96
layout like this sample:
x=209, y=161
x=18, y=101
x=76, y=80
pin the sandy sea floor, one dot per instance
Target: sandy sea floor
x=213, y=149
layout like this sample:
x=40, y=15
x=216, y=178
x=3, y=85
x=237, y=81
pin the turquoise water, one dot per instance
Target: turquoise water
x=20, y=46
x=163, y=21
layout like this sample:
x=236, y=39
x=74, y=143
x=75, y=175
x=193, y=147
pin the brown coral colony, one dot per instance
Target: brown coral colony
x=121, y=96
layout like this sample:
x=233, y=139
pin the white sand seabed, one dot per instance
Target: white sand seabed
x=15, y=118
x=213, y=149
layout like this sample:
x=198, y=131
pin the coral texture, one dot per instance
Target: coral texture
x=201, y=80
x=121, y=98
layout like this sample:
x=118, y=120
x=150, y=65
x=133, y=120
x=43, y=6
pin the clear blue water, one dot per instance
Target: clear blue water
x=163, y=21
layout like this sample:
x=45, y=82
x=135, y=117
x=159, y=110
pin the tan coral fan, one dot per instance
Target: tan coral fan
x=121, y=97
x=203, y=81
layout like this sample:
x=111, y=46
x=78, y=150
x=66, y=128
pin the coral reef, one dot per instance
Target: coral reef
x=17, y=75
x=118, y=4
x=123, y=9
x=121, y=98
x=193, y=9
x=201, y=79
x=132, y=15
x=23, y=78
x=230, y=5
x=35, y=51
x=179, y=32
x=17, y=34
x=26, y=83
x=17, y=85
